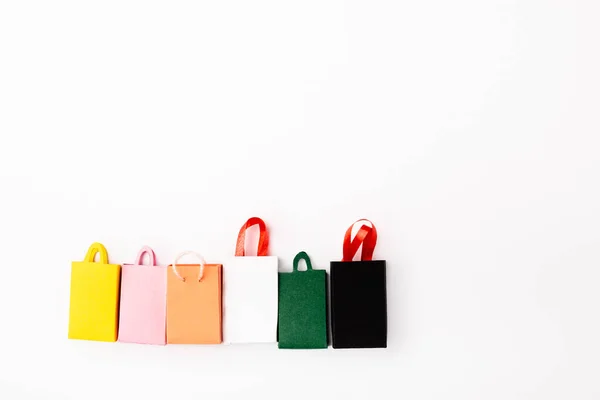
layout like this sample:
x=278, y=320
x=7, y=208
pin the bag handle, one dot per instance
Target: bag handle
x=97, y=248
x=302, y=256
x=263, y=241
x=366, y=235
x=151, y=257
x=185, y=253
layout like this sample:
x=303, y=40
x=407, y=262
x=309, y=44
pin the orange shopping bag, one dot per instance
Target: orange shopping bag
x=194, y=302
x=94, y=304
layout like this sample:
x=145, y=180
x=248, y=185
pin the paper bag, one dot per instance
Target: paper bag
x=250, y=292
x=303, y=307
x=194, y=302
x=143, y=301
x=358, y=294
x=94, y=302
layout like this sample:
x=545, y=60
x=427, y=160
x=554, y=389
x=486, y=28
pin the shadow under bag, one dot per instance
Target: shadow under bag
x=303, y=307
x=358, y=293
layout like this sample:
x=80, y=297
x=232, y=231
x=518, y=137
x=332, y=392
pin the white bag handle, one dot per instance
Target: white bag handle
x=185, y=253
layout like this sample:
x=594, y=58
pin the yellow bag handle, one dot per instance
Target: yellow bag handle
x=97, y=248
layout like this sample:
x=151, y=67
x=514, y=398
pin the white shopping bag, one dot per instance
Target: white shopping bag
x=250, y=292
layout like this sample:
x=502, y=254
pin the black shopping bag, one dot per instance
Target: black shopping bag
x=358, y=293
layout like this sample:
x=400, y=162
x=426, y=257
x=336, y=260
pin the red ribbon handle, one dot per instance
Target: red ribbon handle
x=366, y=236
x=263, y=241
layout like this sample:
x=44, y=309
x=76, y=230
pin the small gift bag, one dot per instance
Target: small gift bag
x=303, y=307
x=250, y=292
x=194, y=302
x=94, y=302
x=143, y=301
x=358, y=293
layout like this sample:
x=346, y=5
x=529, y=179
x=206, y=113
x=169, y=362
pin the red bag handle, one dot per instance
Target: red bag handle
x=366, y=235
x=263, y=241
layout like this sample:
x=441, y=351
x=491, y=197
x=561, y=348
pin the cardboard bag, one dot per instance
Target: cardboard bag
x=250, y=292
x=194, y=302
x=143, y=301
x=358, y=294
x=303, y=307
x=94, y=302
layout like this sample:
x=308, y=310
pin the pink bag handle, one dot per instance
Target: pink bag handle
x=151, y=257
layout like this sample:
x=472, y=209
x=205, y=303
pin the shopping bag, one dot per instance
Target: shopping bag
x=250, y=292
x=303, y=307
x=94, y=302
x=143, y=301
x=358, y=293
x=194, y=302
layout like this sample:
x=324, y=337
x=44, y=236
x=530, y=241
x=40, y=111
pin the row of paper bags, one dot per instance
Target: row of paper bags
x=245, y=300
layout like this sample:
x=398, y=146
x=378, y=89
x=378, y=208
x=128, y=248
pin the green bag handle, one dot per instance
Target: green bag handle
x=97, y=248
x=302, y=256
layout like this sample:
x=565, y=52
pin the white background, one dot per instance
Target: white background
x=467, y=130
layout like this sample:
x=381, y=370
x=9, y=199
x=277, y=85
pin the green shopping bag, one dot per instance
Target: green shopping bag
x=303, y=307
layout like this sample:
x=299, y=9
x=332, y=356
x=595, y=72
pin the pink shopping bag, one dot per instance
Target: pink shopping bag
x=142, y=318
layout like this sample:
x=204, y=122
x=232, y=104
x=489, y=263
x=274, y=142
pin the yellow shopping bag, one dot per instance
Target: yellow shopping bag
x=95, y=287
